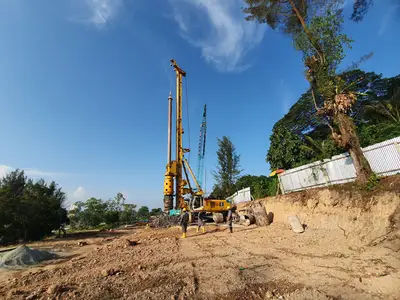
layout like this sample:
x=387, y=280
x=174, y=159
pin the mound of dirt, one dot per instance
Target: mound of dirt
x=23, y=256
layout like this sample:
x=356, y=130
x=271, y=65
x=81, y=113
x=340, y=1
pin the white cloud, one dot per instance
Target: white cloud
x=229, y=37
x=4, y=170
x=35, y=173
x=40, y=173
x=79, y=194
x=387, y=18
x=101, y=12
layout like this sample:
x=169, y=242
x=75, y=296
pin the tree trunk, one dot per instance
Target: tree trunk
x=316, y=46
x=348, y=139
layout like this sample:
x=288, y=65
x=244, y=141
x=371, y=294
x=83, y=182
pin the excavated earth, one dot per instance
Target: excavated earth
x=349, y=250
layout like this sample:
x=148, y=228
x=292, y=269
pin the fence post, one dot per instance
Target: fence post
x=280, y=186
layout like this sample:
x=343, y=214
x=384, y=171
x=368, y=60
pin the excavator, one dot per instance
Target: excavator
x=177, y=184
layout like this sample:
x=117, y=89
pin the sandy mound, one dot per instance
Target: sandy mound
x=23, y=256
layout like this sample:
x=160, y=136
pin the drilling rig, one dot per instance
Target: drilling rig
x=175, y=184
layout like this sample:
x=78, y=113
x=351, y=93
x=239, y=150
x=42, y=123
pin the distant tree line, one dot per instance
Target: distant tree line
x=31, y=210
x=115, y=212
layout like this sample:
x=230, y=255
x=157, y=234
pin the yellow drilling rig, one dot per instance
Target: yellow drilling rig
x=176, y=169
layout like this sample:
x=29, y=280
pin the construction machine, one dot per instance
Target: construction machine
x=177, y=184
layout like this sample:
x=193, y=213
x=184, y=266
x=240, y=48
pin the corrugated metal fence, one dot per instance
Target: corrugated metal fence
x=240, y=196
x=384, y=159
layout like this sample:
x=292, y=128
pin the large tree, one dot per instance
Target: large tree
x=316, y=29
x=228, y=168
x=128, y=214
x=29, y=210
x=156, y=212
x=285, y=149
x=374, y=115
x=143, y=213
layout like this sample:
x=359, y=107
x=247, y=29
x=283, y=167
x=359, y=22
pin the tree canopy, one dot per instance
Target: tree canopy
x=315, y=27
x=302, y=135
x=228, y=168
x=260, y=186
x=95, y=212
x=143, y=213
x=29, y=210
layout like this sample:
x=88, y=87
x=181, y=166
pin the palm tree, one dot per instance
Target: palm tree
x=321, y=149
x=386, y=110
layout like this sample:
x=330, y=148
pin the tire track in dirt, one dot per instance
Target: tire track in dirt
x=291, y=263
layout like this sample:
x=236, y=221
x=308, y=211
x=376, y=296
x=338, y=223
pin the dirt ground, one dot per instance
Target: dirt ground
x=252, y=263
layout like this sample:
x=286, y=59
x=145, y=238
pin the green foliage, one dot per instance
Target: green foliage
x=320, y=149
x=279, y=14
x=260, y=186
x=303, y=119
x=97, y=212
x=370, y=134
x=302, y=127
x=228, y=169
x=373, y=181
x=29, y=210
x=156, y=212
x=218, y=193
x=386, y=109
x=317, y=33
x=128, y=214
x=325, y=30
x=285, y=149
x=143, y=213
x=360, y=8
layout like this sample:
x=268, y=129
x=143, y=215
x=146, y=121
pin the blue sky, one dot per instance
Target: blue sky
x=84, y=86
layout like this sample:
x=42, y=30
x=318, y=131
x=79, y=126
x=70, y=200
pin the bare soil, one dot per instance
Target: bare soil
x=252, y=263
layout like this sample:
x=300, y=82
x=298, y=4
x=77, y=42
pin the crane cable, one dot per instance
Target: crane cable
x=187, y=112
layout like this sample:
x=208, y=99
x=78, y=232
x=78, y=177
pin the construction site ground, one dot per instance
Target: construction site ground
x=269, y=262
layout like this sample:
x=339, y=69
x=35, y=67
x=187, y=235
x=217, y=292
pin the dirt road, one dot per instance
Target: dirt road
x=253, y=263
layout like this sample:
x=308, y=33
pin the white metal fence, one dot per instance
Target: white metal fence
x=243, y=195
x=384, y=159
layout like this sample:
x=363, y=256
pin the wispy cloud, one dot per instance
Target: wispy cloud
x=4, y=170
x=287, y=96
x=30, y=172
x=387, y=18
x=79, y=194
x=100, y=12
x=227, y=39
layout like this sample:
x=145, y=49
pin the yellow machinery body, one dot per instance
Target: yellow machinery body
x=211, y=205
